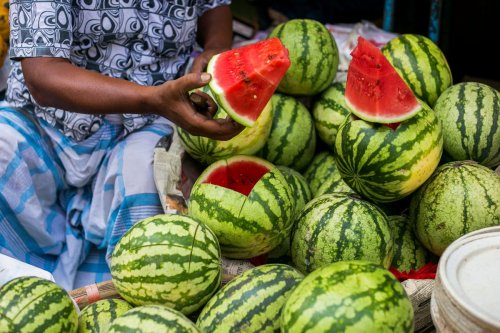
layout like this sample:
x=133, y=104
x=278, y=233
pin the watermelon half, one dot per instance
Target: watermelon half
x=245, y=78
x=374, y=90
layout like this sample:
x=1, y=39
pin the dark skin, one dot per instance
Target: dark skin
x=57, y=83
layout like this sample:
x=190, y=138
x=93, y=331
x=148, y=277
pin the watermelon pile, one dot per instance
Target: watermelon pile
x=331, y=190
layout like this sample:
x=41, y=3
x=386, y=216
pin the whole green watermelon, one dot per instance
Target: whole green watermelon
x=167, y=259
x=251, y=302
x=153, y=319
x=338, y=227
x=313, y=54
x=470, y=116
x=385, y=164
x=292, y=139
x=348, y=296
x=460, y=197
x=32, y=304
x=421, y=64
x=98, y=316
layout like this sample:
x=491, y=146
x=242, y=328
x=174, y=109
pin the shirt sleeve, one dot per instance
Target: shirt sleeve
x=40, y=28
x=205, y=5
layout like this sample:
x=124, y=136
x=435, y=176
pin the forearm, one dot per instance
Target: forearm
x=55, y=82
x=215, y=30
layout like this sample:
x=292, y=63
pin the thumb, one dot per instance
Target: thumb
x=192, y=81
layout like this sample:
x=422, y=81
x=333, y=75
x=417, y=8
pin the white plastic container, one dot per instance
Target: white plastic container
x=466, y=295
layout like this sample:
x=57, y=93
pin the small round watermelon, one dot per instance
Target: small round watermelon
x=247, y=202
x=338, y=227
x=348, y=296
x=32, y=304
x=313, y=54
x=153, y=319
x=251, y=302
x=167, y=259
x=470, y=116
x=292, y=140
x=98, y=316
x=460, y=197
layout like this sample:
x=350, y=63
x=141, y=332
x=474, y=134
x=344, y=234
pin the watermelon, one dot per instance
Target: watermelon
x=470, y=115
x=460, y=197
x=292, y=140
x=409, y=253
x=251, y=302
x=247, y=202
x=385, y=164
x=247, y=142
x=374, y=90
x=323, y=176
x=338, y=227
x=245, y=78
x=329, y=112
x=313, y=53
x=153, y=319
x=167, y=259
x=421, y=64
x=98, y=316
x=32, y=304
x=348, y=296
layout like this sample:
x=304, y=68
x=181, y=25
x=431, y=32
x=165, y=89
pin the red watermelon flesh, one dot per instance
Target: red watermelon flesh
x=240, y=176
x=374, y=90
x=245, y=78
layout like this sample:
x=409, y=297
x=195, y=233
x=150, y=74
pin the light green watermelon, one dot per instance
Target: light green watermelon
x=348, y=296
x=247, y=202
x=153, y=319
x=167, y=259
x=421, y=64
x=470, y=116
x=313, y=54
x=292, y=140
x=329, y=112
x=385, y=164
x=338, y=227
x=460, y=197
x=251, y=302
x=98, y=316
x=32, y=304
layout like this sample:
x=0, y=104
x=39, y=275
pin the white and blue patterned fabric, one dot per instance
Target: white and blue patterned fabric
x=144, y=41
x=65, y=204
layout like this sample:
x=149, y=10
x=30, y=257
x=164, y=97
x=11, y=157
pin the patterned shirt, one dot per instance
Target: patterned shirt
x=144, y=41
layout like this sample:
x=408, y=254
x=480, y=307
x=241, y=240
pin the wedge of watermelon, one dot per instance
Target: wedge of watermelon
x=374, y=90
x=245, y=78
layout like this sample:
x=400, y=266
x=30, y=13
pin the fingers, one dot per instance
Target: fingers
x=204, y=103
x=218, y=129
x=199, y=65
x=192, y=81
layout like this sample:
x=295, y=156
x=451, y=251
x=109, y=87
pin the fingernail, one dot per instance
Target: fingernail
x=205, y=77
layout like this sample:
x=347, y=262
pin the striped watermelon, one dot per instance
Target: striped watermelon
x=167, y=259
x=348, y=296
x=251, y=302
x=329, y=112
x=292, y=140
x=313, y=53
x=323, y=176
x=247, y=142
x=460, y=197
x=153, y=319
x=470, y=115
x=32, y=304
x=409, y=253
x=98, y=316
x=385, y=164
x=421, y=64
x=337, y=227
x=247, y=202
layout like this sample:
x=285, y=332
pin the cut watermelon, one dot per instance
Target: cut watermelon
x=374, y=90
x=245, y=78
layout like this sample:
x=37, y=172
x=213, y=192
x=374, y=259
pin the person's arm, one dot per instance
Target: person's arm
x=57, y=83
x=215, y=34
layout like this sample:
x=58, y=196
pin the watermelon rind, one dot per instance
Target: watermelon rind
x=368, y=115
